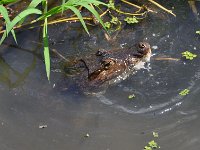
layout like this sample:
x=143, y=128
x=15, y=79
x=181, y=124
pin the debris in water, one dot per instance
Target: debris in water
x=86, y=135
x=42, y=126
x=131, y=96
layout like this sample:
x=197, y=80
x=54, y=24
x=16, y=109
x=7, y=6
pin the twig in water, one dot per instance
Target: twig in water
x=163, y=8
x=60, y=55
x=166, y=58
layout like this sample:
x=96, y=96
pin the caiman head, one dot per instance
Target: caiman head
x=112, y=67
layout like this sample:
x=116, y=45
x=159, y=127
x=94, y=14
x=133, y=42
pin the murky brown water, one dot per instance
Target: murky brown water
x=28, y=100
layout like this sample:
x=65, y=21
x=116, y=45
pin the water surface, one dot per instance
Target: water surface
x=113, y=121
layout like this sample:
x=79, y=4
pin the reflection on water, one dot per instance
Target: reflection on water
x=111, y=119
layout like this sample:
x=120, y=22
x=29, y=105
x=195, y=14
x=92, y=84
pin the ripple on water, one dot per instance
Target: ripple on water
x=149, y=97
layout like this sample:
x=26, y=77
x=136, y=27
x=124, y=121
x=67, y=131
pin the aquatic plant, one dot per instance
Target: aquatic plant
x=155, y=134
x=131, y=20
x=198, y=32
x=188, y=55
x=107, y=25
x=184, y=92
x=131, y=96
x=152, y=144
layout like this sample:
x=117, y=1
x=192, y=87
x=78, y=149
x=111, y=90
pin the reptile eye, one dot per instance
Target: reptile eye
x=107, y=63
x=142, y=45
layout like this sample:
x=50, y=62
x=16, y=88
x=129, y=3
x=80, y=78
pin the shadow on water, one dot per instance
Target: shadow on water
x=111, y=119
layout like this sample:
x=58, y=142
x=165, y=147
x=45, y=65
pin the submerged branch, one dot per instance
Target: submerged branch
x=166, y=58
x=60, y=55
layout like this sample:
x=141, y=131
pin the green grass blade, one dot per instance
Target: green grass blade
x=7, y=1
x=34, y=3
x=3, y=38
x=45, y=41
x=95, y=2
x=51, y=12
x=14, y=36
x=21, y=16
x=63, y=2
x=46, y=50
x=76, y=11
x=4, y=13
x=94, y=12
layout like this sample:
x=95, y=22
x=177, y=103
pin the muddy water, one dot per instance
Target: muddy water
x=113, y=122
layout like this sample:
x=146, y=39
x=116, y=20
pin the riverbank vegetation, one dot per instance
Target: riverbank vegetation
x=44, y=16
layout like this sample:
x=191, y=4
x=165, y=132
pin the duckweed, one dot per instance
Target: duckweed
x=198, y=32
x=131, y=20
x=184, y=92
x=147, y=148
x=151, y=145
x=189, y=55
x=114, y=20
x=131, y=96
x=155, y=134
x=107, y=25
